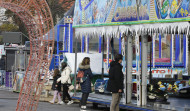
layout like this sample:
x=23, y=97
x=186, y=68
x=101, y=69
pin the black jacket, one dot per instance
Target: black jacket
x=116, y=77
x=55, y=83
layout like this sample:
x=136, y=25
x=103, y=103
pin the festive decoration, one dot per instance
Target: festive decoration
x=36, y=16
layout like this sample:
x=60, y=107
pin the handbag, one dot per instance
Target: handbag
x=80, y=75
x=71, y=87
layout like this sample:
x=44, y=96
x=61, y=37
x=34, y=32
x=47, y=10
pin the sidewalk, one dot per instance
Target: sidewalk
x=8, y=102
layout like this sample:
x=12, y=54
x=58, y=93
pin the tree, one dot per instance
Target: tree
x=17, y=21
x=59, y=7
x=6, y=27
x=56, y=9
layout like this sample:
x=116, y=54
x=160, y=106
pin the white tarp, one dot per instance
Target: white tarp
x=95, y=61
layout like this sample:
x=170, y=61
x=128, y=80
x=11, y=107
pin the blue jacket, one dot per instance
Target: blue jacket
x=86, y=85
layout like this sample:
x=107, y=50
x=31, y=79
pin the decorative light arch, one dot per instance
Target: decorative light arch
x=37, y=18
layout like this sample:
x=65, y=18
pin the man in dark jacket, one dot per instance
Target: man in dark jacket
x=115, y=82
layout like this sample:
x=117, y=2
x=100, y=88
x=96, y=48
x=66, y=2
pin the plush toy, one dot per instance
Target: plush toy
x=175, y=88
x=161, y=86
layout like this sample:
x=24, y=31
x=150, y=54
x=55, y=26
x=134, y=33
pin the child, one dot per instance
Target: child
x=56, y=87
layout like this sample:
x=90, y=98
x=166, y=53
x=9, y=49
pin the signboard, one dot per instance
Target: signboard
x=122, y=12
x=163, y=72
x=12, y=37
x=2, y=51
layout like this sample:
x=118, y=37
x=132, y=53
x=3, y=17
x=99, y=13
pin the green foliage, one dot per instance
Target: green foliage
x=17, y=21
x=56, y=9
x=6, y=27
x=1, y=39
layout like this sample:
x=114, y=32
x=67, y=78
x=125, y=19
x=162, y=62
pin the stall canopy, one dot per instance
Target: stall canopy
x=114, y=16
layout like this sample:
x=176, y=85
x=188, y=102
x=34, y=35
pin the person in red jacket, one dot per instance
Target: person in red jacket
x=115, y=82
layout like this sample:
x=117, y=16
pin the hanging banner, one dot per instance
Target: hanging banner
x=121, y=12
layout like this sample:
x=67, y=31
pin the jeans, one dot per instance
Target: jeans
x=115, y=102
x=65, y=92
x=84, y=99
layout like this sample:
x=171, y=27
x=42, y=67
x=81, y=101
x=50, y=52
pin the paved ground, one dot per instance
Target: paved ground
x=8, y=101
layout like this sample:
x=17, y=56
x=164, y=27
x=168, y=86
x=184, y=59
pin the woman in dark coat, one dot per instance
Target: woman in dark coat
x=86, y=85
x=115, y=82
x=56, y=87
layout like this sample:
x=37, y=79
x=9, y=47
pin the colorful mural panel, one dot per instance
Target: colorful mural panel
x=18, y=80
x=166, y=9
x=123, y=11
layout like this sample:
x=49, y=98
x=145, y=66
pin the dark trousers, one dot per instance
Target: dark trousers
x=65, y=92
x=84, y=99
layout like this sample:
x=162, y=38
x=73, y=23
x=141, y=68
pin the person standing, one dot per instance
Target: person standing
x=86, y=84
x=66, y=81
x=56, y=87
x=115, y=82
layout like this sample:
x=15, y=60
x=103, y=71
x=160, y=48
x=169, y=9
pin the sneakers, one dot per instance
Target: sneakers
x=51, y=102
x=70, y=102
x=83, y=108
x=61, y=102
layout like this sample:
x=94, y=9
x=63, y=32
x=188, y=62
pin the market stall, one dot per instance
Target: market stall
x=136, y=20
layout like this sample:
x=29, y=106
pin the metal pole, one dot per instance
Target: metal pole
x=58, y=39
x=172, y=49
x=120, y=43
x=184, y=50
x=144, y=68
x=137, y=44
x=75, y=73
x=187, y=51
x=129, y=60
x=112, y=45
x=150, y=74
x=160, y=46
x=71, y=38
x=108, y=52
x=103, y=59
x=100, y=43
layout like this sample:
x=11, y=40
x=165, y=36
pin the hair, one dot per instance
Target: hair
x=56, y=72
x=63, y=65
x=86, y=61
x=118, y=57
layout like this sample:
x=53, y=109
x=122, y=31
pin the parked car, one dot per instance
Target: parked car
x=101, y=86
